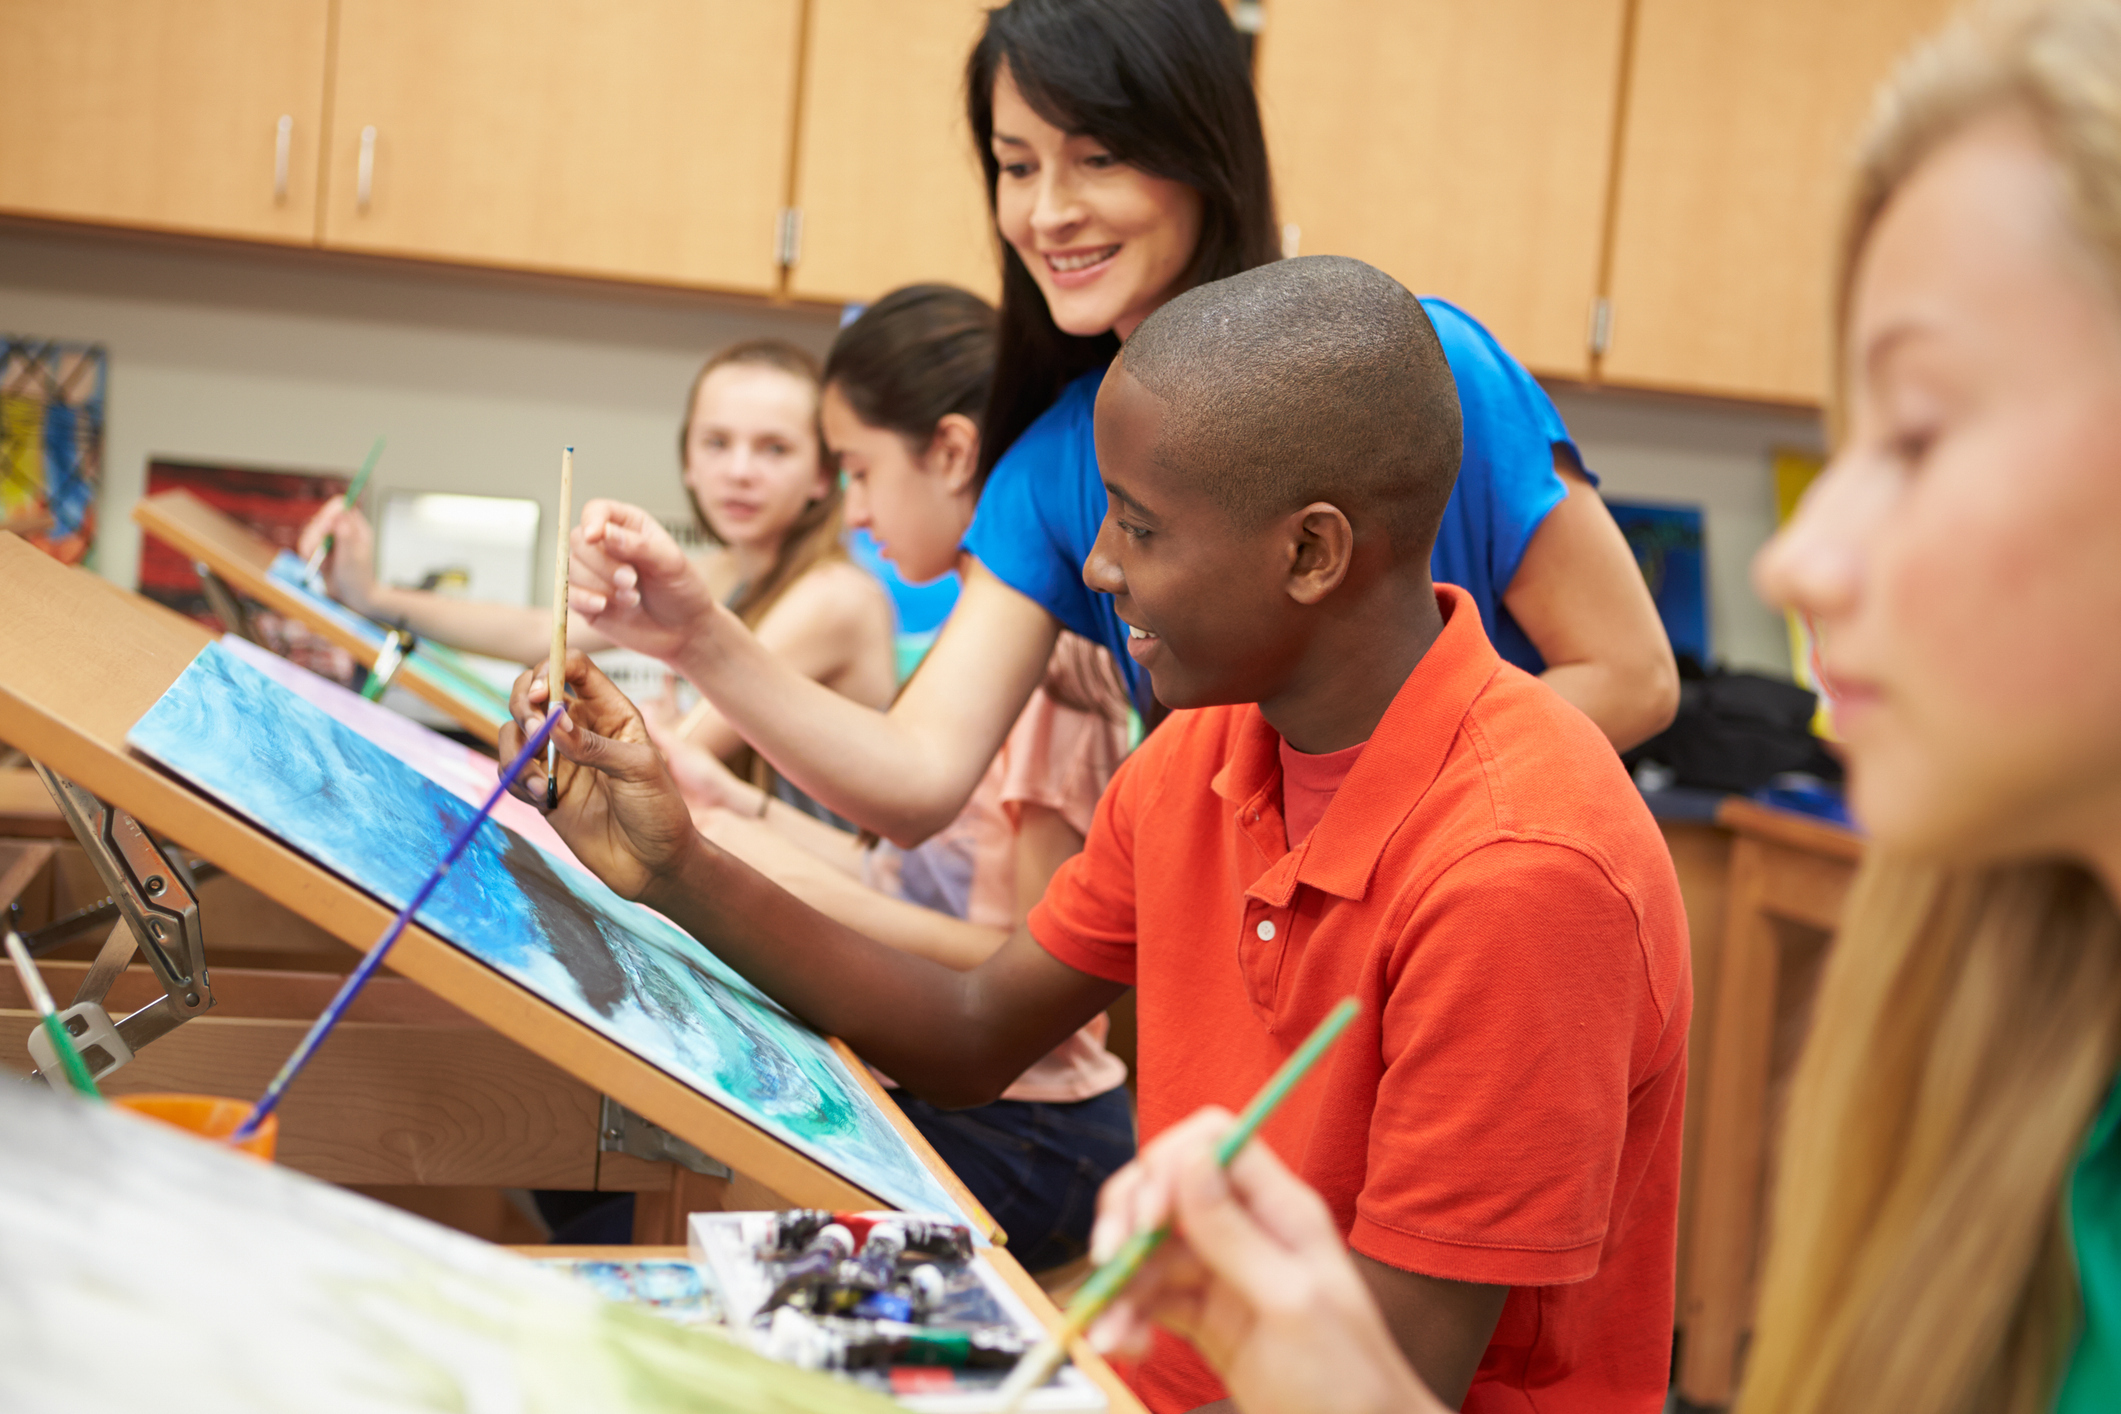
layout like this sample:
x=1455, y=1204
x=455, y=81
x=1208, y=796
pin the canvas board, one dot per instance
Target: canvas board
x=544, y=923
x=81, y=661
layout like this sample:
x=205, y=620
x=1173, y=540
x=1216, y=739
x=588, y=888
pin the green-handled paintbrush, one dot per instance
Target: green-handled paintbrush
x=353, y=494
x=1108, y=1280
x=40, y=997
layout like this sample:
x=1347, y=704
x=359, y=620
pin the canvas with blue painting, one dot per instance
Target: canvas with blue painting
x=546, y=924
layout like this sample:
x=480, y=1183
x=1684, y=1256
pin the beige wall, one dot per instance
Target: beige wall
x=298, y=361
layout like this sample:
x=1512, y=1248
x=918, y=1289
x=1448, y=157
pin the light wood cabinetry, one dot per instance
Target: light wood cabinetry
x=1462, y=145
x=164, y=113
x=643, y=141
x=1741, y=119
x=888, y=185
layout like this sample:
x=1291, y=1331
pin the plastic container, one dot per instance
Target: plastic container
x=208, y=1116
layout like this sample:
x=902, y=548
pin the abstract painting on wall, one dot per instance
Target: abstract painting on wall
x=51, y=443
x=614, y=965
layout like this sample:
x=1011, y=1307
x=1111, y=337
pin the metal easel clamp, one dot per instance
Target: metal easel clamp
x=621, y=1131
x=158, y=904
x=223, y=601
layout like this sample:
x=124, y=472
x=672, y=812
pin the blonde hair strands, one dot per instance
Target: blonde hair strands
x=1969, y=1023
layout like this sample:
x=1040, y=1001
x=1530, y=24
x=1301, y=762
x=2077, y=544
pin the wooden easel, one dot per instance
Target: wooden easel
x=81, y=661
x=244, y=559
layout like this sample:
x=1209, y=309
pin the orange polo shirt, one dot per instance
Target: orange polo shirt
x=1506, y=1108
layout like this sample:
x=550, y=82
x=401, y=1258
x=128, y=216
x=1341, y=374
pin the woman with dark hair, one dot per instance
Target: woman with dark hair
x=1125, y=163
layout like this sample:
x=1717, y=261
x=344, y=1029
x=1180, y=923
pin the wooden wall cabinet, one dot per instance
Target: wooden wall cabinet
x=1462, y=145
x=887, y=184
x=183, y=115
x=1742, y=117
x=645, y=141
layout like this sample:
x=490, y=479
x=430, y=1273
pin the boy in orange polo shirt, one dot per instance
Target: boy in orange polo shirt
x=1366, y=801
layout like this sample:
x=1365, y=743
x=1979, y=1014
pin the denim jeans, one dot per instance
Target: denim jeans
x=1036, y=1166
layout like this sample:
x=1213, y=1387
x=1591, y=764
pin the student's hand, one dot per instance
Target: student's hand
x=702, y=778
x=633, y=584
x=349, y=571
x=618, y=809
x=1255, y=1275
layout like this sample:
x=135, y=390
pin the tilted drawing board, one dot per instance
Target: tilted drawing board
x=246, y=560
x=82, y=662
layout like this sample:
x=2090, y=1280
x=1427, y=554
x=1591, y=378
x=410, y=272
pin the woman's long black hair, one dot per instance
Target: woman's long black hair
x=1164, y=85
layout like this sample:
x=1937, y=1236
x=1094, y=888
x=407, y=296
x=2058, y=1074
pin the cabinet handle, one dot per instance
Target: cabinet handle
x=365, y=178
x=282, y=145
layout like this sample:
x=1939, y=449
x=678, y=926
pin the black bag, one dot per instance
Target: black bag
x=1737, y=732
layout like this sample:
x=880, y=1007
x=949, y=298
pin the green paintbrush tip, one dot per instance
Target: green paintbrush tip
x=1108, y=1280
x=41, y=998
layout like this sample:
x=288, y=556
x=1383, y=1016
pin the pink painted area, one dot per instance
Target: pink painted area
x=464, y=773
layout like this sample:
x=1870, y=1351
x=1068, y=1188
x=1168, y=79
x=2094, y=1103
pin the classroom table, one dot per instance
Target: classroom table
x=1763, y=925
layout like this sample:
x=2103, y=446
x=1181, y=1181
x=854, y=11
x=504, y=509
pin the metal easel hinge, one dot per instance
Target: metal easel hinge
x=621, y=1131
x=225, y=605
x=788, y=237
x=1601, y=326
x=156, y=896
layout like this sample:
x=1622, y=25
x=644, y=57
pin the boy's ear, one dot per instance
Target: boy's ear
x=1321, y=544
x=953, y=452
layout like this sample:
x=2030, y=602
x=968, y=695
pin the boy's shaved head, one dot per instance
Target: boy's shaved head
x=1314, y=379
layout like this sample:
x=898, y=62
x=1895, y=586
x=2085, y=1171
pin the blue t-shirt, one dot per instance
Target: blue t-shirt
x=1044, y=501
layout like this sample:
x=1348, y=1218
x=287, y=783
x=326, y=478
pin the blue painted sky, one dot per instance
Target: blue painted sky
x=623, y=969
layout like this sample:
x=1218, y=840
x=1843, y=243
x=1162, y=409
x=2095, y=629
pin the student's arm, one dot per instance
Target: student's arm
x=510, y=631
x=1579, y=597
x=908, y=927
x=954, y=1038
x=832, y=626
x=904, y=774
x=1256, y=1277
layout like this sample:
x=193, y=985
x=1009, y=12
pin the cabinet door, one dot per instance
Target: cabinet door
x=164, y=113
x=1462, y=145
x=643, y=141
x=1734, y=164
x=886, y=178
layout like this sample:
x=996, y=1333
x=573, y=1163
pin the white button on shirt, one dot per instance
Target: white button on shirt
x=1266, y=930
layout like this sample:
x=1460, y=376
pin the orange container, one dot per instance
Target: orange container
x=208, y=1116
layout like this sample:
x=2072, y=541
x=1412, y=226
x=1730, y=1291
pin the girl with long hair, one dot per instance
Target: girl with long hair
x=753, y=469
x=1125, y=164
x=1946, y=1225
x=905, y=387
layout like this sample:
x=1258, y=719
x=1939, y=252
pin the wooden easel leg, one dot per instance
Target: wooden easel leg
x=1726, y=1216
x=659, y=1214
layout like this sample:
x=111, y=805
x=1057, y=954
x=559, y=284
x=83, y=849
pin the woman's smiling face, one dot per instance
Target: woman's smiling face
x=1961, y=557
x=1106, y=242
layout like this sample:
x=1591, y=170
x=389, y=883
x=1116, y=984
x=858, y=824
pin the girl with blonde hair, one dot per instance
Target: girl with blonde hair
x=1946, y=1228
